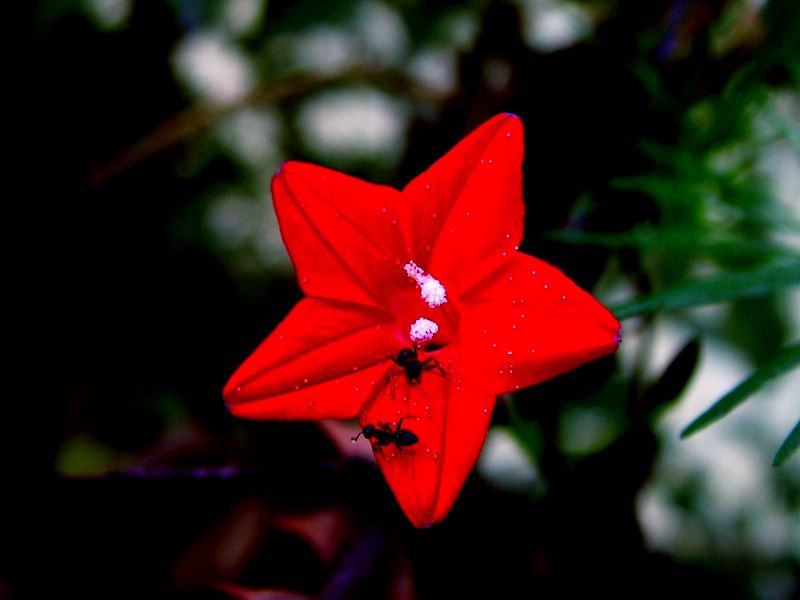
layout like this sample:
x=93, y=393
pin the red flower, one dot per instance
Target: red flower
x=431, y=269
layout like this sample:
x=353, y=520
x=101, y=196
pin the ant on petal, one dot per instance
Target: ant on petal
x=385, y=435
x=413, y=367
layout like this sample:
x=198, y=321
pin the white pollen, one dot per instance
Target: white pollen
x=422, y=330
x=414, y=271
x=431, y=289
x=433, y=292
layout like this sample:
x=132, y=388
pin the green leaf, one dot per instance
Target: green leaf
x=673, y=380
x=712, y=290
x=785, y=360
x=788, y=447
x=683, y=241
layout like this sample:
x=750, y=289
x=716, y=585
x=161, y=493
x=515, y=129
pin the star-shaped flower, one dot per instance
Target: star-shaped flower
x=418, y=312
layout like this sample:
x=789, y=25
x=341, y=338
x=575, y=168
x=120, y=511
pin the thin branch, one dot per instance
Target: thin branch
x=194, y=119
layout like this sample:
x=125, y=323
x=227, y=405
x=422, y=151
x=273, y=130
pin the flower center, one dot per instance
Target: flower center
x=434, y=319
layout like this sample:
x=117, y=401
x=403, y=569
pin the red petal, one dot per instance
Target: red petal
x=323, y=361
x=343, y=234
x=467, y=208
x=529, y=322
x=450, y=417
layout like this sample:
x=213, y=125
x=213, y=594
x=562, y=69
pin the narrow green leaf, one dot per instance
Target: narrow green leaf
x=672, y=382
x=788, y=447
x=712, y=290
x=684, y=241
x=785, y=360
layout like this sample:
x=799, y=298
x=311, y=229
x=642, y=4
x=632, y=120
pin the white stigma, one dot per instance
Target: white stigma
x=431, y=290
x=422, y=330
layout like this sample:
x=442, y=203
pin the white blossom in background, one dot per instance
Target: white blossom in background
x=381, y=32
x=323, y=50
x=505, y=464
x=253, y=136
x=550, y=25
x=212, y=67
x=434, y=70
x=109, y=15
x=355, y=123
x=241, y=16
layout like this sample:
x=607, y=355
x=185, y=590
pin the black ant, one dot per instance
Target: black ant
x=385, y=435
x=413, y=366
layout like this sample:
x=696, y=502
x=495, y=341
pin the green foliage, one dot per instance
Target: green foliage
x=672, y=382
x=715, y=289
x=786, y=360
x=716, y=210
x=789, y=446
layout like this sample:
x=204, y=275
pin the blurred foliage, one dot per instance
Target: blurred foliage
x=788, y=358
x=662, y=161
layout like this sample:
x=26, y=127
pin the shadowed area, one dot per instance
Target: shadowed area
x=660, y=174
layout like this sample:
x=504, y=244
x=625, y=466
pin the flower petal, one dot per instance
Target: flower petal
x=449, y=414
x=529, y=322
x=323, y=361
x=343, y=234
x=467, y=209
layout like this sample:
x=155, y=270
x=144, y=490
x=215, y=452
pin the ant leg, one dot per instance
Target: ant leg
x=390, y=377
x=427, y=366
x=390, y=381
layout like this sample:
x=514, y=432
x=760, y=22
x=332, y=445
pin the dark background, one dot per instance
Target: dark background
x=145, y=266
